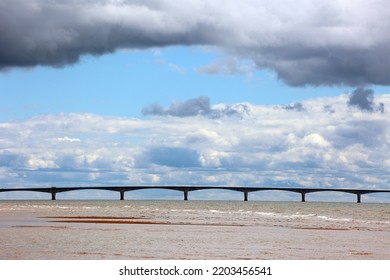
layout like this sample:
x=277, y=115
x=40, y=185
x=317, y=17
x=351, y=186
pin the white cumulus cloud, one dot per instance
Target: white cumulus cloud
x=260, y=146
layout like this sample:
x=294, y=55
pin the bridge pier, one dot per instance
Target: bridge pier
x=122, y=195
x=359, y=197
x=303, y=197
x=185, y=194
x=53, y=193
x=245, y=196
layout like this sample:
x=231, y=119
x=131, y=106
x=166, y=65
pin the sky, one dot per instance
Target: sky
x=249, y=93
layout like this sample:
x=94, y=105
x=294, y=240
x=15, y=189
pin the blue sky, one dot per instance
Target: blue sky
x=121, y=84
x=108, y=92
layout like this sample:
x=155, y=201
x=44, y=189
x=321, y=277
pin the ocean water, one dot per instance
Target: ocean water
x=193, y=230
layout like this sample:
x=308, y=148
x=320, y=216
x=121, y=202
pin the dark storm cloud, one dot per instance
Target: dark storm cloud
x=304, y=42
x=57, y=33
x=191, y=107
x=363, y=99
x=297, y=106
x=199, y=106
x=328, y=65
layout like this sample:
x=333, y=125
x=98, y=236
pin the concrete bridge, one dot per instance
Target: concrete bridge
x=186, y=189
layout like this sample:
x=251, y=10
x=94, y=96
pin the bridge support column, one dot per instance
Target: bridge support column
x=122, y=194
x=185, y=194
x=303, y=197
x=53, y=193
x=359, y=197
x=245, y=196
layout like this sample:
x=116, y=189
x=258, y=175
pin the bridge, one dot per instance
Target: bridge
x=186, y=189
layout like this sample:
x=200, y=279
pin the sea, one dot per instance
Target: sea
x=193, y=230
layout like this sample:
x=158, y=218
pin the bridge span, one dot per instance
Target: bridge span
x=186, y=189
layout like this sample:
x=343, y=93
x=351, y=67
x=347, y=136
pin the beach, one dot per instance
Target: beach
x=144, y=230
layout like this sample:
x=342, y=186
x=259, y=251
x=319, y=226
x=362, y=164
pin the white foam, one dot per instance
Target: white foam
x=334, y=219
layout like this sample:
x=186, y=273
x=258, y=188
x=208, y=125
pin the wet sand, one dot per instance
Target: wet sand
x=323, y=228
x=123, y=220
x=141, y=221
x=94, y=217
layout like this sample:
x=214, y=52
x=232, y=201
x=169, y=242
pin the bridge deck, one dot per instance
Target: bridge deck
x=186, y=189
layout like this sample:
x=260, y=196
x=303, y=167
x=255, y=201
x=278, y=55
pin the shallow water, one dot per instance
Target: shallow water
x=193, y=230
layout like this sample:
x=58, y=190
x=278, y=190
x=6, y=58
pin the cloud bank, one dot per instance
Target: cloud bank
x=326, y=142
x=304, y=42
